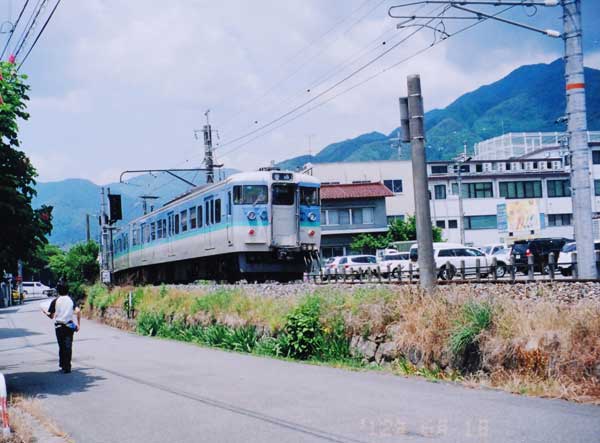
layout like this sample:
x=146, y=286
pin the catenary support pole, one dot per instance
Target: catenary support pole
x=419, y=166
x=578, y=144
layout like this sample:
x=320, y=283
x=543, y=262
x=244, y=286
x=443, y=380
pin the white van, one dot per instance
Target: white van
x=36, y=288
x=448, y=258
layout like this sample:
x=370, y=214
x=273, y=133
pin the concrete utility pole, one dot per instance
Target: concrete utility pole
x=416, y=132
x=87, y=227
x=578, y=143
x=104, y=240
x=208, y=151
x=576, y=110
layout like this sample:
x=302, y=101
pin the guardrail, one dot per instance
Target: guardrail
x=449, y=273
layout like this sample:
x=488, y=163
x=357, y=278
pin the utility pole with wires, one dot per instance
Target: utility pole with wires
x=575, y=98
x=208, y=151
x=413, y=130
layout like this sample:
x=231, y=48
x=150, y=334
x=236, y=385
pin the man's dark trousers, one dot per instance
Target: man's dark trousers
x=64, y=336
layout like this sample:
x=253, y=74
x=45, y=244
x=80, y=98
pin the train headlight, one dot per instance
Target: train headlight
x=251, y=215
x=312, y=216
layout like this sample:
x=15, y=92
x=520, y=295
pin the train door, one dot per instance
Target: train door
x=228, y=219
x=209, y=220
x=170, y=233
x=284, y=214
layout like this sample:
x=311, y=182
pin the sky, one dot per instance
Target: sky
x=123, y=85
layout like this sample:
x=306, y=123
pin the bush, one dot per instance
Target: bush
x=302, y=333
x=149, y=323
x=476, y=318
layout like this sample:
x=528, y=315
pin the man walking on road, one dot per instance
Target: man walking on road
x=63, y=311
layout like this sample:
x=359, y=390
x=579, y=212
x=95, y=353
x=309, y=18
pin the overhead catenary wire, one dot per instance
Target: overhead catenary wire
x=39, y=34
x=329, y=89
x=362, y=82
x=29, y=27
x=299, y=68
x=13, y=29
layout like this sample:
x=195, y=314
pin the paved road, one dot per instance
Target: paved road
x=127, y=388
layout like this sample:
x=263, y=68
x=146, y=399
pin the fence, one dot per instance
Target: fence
x=448, y=272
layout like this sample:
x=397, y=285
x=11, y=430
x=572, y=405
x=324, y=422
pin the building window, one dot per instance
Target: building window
x=535, y=165
x=478, y=167
x=454, y=188
x=394, y=185
x=596, y=157
x=392, y=218
x=452, y=224
x=439, y=169
x=363, y=216
x=481, y=222
x=463, y=168
x=526, y=189
x=440, y=192
x=507, y=166
x=548, y=165
x=441, y=224
x=477, y=190
x=559, y=219
x=559, y=188
x=597, y=188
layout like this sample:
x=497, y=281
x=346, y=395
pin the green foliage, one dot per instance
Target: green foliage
x=302, y=330
x=79, y=266
x=136, y=297
x=23, y=230
x=149, y=323
x=476, y=318
x=217, y=301
x=399, y=230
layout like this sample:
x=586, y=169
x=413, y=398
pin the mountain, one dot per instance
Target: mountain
x=72, y=199
x=530, y=98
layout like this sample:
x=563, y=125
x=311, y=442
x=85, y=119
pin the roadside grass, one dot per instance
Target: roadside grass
x=24, y=414
x=457, y=334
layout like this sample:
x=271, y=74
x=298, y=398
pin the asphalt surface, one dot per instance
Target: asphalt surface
x=128, y=388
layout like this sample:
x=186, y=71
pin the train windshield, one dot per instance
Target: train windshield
x=250, y=195
x=283, y=194
x=309, y=196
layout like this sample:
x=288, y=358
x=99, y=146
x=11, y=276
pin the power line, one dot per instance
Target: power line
x=269, y=90
x=14, y=28
x=40, y=34
x=335, y=85
x=362, y=82
x=29, y=26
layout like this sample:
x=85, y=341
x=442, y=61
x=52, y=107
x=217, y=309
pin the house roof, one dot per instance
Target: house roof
x=354, y=190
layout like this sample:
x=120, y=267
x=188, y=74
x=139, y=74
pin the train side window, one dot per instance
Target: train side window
x=199, y=216
x=142, y=234
x=207, y=212
x=183, y=216
x=193, y=223
x=212, y=212
x=159, y=229
x=176, y=224
x=229, y=203
x=152, y=231
x=218, y=210
x=164, y=228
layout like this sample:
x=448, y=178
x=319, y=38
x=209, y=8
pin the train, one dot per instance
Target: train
x=254, y=226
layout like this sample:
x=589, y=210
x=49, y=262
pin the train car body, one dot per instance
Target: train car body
x=254, y=226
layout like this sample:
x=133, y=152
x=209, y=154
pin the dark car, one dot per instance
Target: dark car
x=540, y=249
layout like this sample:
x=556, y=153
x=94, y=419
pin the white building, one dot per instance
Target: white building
x=525, y=194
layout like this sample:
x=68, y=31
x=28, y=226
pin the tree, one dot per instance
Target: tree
x=22, y=229
x=399, y=230
x=78, y=266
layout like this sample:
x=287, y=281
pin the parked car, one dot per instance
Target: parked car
x=330, y=265
x=355, y=264
x=540, y=249
x=565, y=261
x=448, y=258
x=36, y=288
x=502, y=254
x=395, y=261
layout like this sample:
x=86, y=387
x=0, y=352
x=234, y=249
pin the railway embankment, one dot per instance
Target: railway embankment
x=538, y=339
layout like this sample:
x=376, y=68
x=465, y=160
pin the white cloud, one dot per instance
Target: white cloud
x=121, y=85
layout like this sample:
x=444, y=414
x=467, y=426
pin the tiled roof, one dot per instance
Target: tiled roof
x=354, y=190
